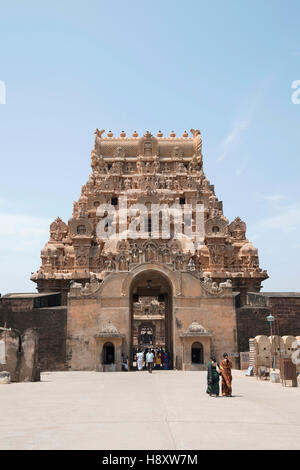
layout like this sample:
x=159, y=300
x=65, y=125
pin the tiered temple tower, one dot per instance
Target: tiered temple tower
x=148, y=170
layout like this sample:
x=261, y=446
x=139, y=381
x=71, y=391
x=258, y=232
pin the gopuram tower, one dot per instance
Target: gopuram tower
x=155, y=286
x=147, y=170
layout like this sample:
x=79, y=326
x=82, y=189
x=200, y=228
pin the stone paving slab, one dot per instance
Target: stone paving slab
x=162, y=410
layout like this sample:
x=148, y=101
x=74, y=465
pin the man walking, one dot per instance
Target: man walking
x=149, y=360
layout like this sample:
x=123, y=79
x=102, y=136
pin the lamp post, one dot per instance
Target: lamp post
x=271, y=319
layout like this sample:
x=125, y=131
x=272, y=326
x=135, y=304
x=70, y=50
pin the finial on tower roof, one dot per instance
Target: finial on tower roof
x=99, y=133
x=195, y=132
x=148, y=135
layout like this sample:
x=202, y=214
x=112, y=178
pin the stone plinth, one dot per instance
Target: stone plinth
x=4, y=377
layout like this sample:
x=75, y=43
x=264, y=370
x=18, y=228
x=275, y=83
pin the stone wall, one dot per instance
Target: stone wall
x=286, y=309
x=251, y=321
x=51, y=323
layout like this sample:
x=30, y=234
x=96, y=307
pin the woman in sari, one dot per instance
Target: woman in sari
x=213, y=376
x=225, y=367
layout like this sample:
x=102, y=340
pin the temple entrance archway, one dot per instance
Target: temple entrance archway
x=151, y=315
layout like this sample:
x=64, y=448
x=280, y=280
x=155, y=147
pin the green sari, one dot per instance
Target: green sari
x=212, y=380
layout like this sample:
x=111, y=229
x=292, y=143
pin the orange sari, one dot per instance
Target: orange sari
x=225, y=368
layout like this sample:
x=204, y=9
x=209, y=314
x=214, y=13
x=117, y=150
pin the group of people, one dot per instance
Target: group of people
x=214, y=372
x=158, y=358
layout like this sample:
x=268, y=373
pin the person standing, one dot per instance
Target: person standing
x=225, y=367
x=149, y=360
x=124, y=363
x=140, y=359
x=158, y=359
x=166, y=359
x=213, y=377
x=154, y=359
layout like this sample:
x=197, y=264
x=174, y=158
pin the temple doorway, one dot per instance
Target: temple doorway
x=151, y=313
x=108, y=354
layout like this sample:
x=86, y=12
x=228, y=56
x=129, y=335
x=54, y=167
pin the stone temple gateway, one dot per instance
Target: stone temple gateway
x=129, y=291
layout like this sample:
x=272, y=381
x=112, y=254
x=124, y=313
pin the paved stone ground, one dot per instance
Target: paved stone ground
x=165, y=410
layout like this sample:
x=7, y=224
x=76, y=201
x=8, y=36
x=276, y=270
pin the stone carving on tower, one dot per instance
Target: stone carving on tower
x=147, y=170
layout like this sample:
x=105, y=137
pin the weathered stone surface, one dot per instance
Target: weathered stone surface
x=4, y=377
x=29, y=371
x=21, y=355
x=275, y=377
x=51, y=323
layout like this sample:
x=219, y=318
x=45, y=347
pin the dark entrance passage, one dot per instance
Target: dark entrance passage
x=146, y=338
x=108, y=353
x=197, y=353
x=151, y=313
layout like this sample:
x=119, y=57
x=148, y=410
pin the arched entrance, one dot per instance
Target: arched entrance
x=151, y=312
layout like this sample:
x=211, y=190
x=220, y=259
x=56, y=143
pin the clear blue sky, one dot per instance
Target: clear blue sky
x=225, y=67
